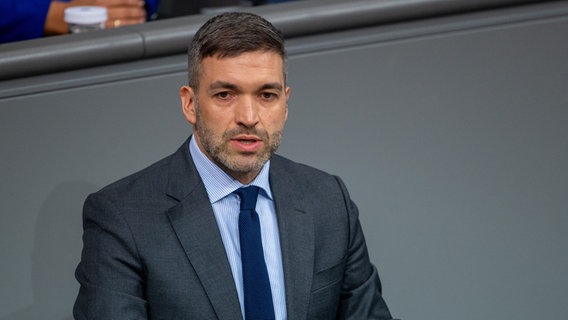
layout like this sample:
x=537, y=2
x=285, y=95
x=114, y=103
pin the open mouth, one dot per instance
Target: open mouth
x=245, y=141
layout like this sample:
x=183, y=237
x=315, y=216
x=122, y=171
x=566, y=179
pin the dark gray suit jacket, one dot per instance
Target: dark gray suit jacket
x=152, y=249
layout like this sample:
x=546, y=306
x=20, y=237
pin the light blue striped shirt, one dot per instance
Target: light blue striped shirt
x=226, y=207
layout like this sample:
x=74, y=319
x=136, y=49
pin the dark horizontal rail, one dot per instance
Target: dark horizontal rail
x=171, y=36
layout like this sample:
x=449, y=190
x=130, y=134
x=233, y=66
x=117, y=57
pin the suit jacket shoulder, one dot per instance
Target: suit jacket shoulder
x=304, y=177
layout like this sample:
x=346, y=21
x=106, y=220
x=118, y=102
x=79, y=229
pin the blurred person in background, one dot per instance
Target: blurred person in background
x=30, y=19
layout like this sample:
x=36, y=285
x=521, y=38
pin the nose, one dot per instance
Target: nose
x=246, y=113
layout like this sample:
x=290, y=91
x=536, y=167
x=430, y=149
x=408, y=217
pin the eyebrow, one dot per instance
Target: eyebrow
x=273, y=85
x=223, y=85
x=231, y=86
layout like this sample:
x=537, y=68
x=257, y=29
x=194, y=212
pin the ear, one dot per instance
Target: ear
x=287, y=90
x=187, y=96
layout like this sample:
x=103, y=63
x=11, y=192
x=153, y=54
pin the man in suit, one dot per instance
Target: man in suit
x=168, y=241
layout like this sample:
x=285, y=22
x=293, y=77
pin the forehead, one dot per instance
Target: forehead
x=248, y=65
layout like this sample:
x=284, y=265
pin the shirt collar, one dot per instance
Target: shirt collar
x=217, y=182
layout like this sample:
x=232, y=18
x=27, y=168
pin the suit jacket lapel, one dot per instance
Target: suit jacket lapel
x=296, y=240
x=196, y=228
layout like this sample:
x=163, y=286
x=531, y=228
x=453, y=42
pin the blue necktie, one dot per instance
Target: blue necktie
x=256, y=285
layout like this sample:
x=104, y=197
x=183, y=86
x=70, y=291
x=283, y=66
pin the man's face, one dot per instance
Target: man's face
x=239, y=111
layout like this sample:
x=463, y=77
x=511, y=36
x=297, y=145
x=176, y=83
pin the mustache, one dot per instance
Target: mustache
x=262, y=134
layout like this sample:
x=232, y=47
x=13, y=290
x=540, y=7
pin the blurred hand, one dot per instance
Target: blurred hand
x=120, y=13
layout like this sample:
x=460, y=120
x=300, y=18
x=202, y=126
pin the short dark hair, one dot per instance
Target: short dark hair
x=229, y=35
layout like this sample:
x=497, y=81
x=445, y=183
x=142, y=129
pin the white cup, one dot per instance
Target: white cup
x=85, y=18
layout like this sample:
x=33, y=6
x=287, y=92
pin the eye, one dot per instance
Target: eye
x=268, y=96
x=223, y=95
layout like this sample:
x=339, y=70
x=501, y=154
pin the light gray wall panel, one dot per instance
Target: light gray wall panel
x=57, y=148
x=455, y=147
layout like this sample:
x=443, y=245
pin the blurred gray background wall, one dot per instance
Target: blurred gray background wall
x=450, y=132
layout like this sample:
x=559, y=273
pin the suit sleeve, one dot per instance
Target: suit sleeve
x=110, y=273
x=151, y=8
x=22, y=20
x=361, y=293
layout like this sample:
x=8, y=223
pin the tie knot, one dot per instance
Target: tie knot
x=248, y=197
